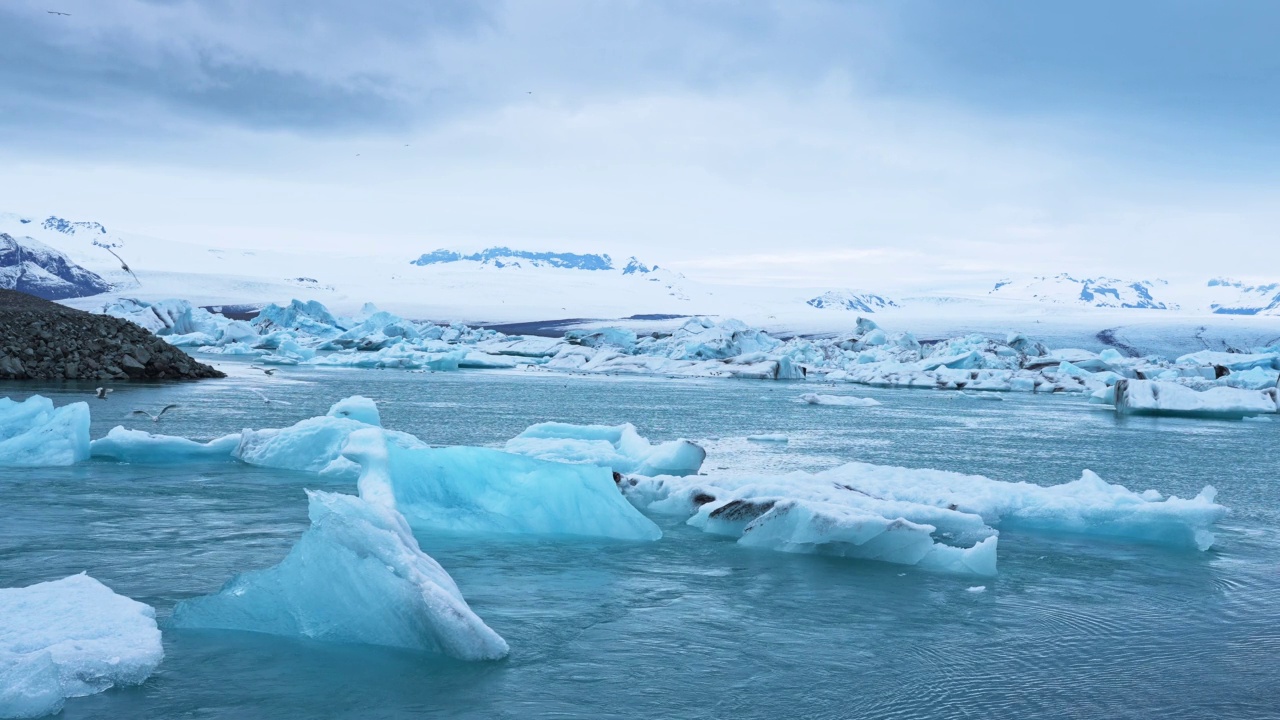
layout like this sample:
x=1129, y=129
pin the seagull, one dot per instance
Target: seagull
x=154, y=418
x=55, y=12
x=266, y=399
x=269, y=371
x=101, y=393
x=123, y=265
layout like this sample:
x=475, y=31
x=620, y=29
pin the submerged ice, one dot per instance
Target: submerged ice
x=69, y=638
x=356, y=576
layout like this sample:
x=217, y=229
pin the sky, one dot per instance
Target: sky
x=925, y=144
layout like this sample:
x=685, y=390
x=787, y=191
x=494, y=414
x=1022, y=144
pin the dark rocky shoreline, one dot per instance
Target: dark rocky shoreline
x=41, y=340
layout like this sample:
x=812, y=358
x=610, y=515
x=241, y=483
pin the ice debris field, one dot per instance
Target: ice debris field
x=1205, y=383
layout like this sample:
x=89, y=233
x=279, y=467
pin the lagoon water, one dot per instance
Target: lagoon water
x=691, y=626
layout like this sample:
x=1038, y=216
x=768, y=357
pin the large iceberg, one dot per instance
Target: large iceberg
x=933, y=518
x=480, y=490
x=316, y=444
x=34, y=434
x=69, y=638
x=357, y=575
x=618, y=447
x=1152, y=397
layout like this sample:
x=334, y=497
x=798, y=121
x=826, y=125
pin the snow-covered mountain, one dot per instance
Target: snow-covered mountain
x=34, y=268
x=504, y=257
x=1232, y=297
x=1098, y=292
x=850, y=300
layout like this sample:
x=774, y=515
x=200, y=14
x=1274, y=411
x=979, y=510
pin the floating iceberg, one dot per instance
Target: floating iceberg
x=1152, y=397
x=357, y=575
x=137, y=446
x=932, y=518
x=70, y=638
x=34, y=434
x=468, y=489
x=618, y=447
x=316, y=444
x=842, y=400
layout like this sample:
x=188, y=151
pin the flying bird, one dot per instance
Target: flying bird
x=101, y=393
x=266, y=399
x=123, y=265
x=156, y=417
x=55, y=12
x=268, y=371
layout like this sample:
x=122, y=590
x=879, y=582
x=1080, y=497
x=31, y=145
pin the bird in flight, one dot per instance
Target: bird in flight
x=55, y=12
x=268, y=371
x=123, y=265
x=266, y=399
x=101, y=393
x=156, y=417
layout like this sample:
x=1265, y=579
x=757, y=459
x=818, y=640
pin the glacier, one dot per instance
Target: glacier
x=33, y=433
x=357, y=575
x=617, y=447
x=481, y=490
x=70, y=638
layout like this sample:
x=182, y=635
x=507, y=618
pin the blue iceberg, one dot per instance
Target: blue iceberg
x=357, y=575
x=35, y=434
x=480, y=490
x=618, y=447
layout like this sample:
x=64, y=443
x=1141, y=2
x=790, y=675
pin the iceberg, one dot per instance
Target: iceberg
x=357, y=575
x=315, y=445
x=618, y=447
x=35, y=434
x=842, y=400
x=1154, y=397
x=481, y=490
x=69, y=638
x=137, y=446
x=931, y=518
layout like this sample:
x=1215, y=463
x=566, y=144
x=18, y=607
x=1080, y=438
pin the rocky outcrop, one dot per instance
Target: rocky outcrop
x=46, y=341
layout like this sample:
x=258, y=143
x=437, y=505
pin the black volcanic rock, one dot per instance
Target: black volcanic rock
x=41, y=340
x=36, y=269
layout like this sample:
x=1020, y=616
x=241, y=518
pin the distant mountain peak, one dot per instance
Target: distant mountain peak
x=68, y=227
x=1099, y=292
x=502, y=257
x=850, y=300
x=30, y=266
x=1233, y=297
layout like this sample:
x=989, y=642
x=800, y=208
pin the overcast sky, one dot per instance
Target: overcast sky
x=927, y=143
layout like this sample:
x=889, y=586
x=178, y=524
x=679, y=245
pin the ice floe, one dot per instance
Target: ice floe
x=931, y=518
x=69, y=638
x=1149, y=397
x=841, y=400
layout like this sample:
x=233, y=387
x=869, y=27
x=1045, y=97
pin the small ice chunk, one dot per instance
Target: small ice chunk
x=768, y=438
x=977, y=589
x=69, y=638
x=356, y=576
x=843, y=400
